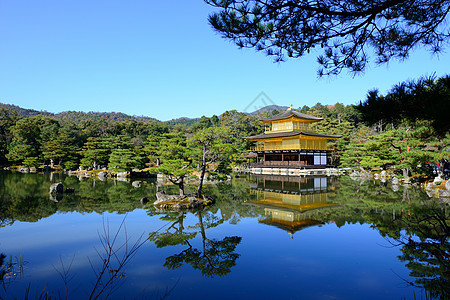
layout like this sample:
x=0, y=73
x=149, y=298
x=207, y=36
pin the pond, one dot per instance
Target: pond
x=265, y=237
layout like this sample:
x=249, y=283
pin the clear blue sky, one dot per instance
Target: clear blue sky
x=160, y=59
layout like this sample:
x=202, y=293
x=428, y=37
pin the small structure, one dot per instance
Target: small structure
x=289, y=143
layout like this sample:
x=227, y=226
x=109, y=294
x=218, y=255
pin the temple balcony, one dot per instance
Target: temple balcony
x=289, y=147
x=288, y=127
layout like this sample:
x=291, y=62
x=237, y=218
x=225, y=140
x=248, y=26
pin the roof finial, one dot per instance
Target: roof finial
x=290, y=108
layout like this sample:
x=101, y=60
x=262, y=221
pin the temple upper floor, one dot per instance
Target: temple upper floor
x=289, y=120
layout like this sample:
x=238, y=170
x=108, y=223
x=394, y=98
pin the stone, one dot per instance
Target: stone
x=123, y=174
x=383, y=173
x=57, y=188
x=102, y=174
x=144, y=200
x=136, y=184
x=55, y=197
x=172, y=203
x=24, y=170
x=430, y=186
x=47, y=169
x=438, y=180
x=162, y=197
x=395, y=181
x=444, y=193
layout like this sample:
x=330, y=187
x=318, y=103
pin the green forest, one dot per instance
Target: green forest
x=406, y=130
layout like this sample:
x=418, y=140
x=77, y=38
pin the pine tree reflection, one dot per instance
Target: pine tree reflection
x=215, y=258
x=425, y=248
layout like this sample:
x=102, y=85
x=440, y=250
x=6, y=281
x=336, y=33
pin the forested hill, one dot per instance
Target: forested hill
x=184, y=121
x=24, y=112
x=75, y=116
x=269, y=109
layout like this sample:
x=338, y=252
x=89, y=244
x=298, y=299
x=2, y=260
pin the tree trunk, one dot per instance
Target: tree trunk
x=406, y=174
x=200, y=184
x=202, y=175
x=181, y=186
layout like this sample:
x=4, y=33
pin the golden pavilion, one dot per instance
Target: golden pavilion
x=289, y=142
x=292, y=203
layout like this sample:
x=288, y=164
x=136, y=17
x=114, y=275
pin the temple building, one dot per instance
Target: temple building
x=289, y=142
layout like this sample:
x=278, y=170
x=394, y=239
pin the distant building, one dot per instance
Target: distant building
x=289, y=142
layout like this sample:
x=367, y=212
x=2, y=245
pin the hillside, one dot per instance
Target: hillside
x=269, y=109
x=76, y=116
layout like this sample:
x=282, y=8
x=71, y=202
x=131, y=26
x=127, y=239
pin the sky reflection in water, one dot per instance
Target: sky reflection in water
x=344, y=258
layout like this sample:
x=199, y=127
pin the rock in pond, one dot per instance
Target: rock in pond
x=102, y=175
x=144, y=200
x=170, y=203
x=57, y=188
x=123, y=174
x=395, y=181
x=24, y=170
x=136, y=184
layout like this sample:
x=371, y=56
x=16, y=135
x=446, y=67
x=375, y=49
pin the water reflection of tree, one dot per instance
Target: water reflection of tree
x=215, y=258
x=24, y=197
x=426, y=249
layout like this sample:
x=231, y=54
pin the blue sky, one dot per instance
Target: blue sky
x=160, y=59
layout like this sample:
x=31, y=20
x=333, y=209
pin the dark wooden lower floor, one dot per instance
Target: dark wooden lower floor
x=293, y=159
x=288, y=164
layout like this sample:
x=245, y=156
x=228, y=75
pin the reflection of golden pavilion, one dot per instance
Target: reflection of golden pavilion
x=291, y=203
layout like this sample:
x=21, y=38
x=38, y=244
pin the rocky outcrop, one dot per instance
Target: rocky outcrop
x=56, y=188
x=136, y=184
x=162, y=197
x=24, y=170
x=144, y=200
x=122, y=174
x=172, y=203
x=47, y=169
x=438, y=189
x=102, y=175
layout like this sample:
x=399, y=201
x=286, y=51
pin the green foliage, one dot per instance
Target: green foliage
x=29, y=135
x=175, y=156
x=343, y=32
x=7, y=120
x=423, y=100
x=124, y=156
x=31, y=162
x=96, y=151
x=214, y=144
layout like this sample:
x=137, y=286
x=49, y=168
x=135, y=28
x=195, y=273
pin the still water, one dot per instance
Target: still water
x=266, y=237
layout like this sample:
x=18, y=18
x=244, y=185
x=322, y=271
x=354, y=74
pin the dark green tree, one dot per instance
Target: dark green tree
x=214, y=145
x=7, y=119
x=29, y=135
x=124, y=156
x=176, y=158
x=425, y=99
x=96, y=152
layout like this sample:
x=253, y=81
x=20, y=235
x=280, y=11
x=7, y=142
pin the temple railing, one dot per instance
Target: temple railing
x=288, y=164
x=288, y=147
